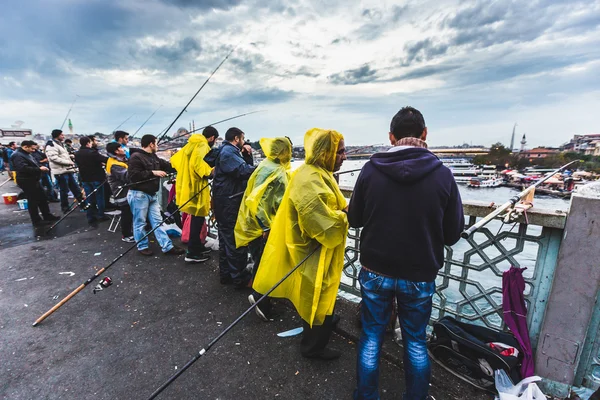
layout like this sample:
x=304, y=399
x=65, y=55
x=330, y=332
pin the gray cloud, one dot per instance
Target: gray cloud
x=260, y=96
x=203, y=4
x=423, y=50
x=423, y=72
x=355, y=76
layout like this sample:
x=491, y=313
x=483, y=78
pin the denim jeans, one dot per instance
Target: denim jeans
x=414, y=309
x=97, y=199
x=67, y=182
x=145, y=207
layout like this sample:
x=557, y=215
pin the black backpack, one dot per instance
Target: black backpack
x=463, y=349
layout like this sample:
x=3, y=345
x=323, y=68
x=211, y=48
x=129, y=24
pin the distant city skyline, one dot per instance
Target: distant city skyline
x=473, y=67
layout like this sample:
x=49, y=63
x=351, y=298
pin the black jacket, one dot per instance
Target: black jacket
x=141, y=165
x=90, y=161
x=117, y=177
x=409, y=207
x=25, y=166
x=232, y=170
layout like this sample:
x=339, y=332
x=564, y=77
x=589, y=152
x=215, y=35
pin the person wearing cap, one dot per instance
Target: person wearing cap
x=192, y=193
x=28, y=174
x=63, y=166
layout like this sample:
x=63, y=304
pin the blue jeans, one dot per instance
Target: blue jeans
x=145, y=207
x=67, y=182
x=414, y=309
x=96, y=199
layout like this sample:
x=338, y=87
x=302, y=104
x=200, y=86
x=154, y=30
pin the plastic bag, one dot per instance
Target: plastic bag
x=524, y=390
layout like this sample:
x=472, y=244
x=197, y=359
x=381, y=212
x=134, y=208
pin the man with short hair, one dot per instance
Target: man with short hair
x=192, y=188
x=310, y=228
x=122, y=138
x=62, y=166
x=408, y=206
x=69, y=146
x=92, y=175
x=116, y=170
x=46, y=179
x=231, y=177
x=143, y=200
x=28, y=174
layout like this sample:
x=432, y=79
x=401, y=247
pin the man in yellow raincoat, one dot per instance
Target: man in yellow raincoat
x=192, y=177
x=312, y=215
x=260, y=203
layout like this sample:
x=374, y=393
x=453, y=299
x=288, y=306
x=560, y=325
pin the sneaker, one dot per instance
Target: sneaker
x=190, y=258
x=326, y=355
x=175, y=251
x=128, y=239
x=146, y=252
x=51, y=217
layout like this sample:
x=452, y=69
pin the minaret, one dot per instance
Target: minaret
x=523, y=143
x=512, y=139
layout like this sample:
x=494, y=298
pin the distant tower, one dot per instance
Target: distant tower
x=512, y=139
x=523, y=143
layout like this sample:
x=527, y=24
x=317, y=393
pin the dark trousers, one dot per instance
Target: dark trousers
x=257, y=248
x=48, y=186
x=67, y=182
x=195, y=246
x=36, y=198
x=232, y=261
x=126, y=220
x=96, y=200
x=315, y=339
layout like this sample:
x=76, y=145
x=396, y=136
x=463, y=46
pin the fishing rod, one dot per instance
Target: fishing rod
x=123, y=122
x=151, y=115
x=212, y=124
x=511, y=203
x=5, y=182
x=170, y=177
x=193, y=97
x=234, y=323
x=75, y=205
x=69, y=112
x=102, y=270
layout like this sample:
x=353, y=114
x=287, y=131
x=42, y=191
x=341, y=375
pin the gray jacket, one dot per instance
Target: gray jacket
x=59, y=158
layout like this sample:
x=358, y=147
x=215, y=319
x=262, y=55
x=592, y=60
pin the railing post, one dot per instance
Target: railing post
x=572, y=299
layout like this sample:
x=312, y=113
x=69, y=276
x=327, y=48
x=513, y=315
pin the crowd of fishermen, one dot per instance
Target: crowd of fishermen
x=271, y=219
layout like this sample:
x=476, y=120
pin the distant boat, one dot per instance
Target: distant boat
x=485, y=183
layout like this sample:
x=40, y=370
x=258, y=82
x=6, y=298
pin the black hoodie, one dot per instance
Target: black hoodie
x=409, y=207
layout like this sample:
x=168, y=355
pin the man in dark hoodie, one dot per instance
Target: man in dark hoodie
x=144, y=166
x=409, y=207
x=91, y=172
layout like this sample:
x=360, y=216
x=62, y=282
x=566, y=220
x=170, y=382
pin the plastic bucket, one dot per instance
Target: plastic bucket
x=10, y=198
x=22, y=204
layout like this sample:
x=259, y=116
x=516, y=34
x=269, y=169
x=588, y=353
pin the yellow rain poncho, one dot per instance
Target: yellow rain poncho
x=264, y=192
x=192, y=176
x=310, y=215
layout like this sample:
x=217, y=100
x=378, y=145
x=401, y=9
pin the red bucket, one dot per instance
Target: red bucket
x=10, y=198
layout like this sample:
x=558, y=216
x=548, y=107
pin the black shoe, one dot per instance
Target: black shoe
x=103, y=218
x=191, y=258
x=39, y=223
x=175, y=251
x=51, y=217
x=326, y=355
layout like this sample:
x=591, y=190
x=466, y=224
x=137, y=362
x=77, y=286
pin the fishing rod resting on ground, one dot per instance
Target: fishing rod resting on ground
x=193, y=97
x=214, y=123
x=102, y=270
x=511, y=203
x=75, y=205
x=234, y=323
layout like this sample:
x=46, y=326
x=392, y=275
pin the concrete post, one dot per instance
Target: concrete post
x=572, y=299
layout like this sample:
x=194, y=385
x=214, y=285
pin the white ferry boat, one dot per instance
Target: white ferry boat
x=485, y=183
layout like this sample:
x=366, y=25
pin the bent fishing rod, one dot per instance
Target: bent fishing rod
x=194, y=96
x=214, y=123
x=77, y=204
x=234, y=323
x=151, y=115
x=511, y=203
x=102, y=270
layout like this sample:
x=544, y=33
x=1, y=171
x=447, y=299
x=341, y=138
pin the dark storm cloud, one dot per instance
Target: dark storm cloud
x=355, y=76
x=185, y=49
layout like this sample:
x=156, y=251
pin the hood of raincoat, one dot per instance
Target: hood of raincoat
x=321, y=146
x=192, y=176
x=264, y=192
x=407, y=165
x=278, y=149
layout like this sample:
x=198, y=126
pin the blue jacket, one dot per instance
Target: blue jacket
x=232, y=171
x=409, y=207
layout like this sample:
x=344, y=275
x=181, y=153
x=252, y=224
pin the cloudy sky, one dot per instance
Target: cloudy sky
x=473, y=67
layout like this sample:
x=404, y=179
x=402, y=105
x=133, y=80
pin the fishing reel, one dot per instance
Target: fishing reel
x=171, y=178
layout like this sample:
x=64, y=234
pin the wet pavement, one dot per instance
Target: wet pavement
x=124, y=341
